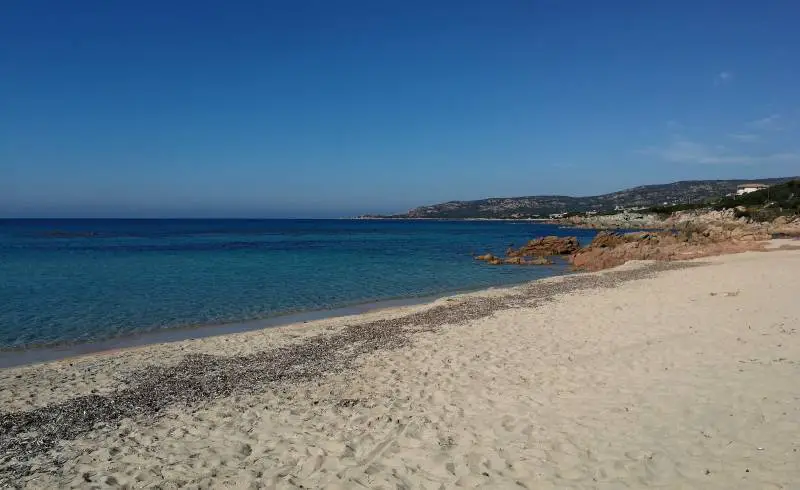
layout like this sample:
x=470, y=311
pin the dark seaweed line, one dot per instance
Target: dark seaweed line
x=201, y=378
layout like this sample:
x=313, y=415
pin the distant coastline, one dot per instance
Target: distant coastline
x=553, y=207
x=421, y=218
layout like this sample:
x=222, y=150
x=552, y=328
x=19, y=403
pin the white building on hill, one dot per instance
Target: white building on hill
x=748, y=188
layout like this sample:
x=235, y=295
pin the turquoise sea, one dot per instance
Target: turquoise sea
x=75, y=281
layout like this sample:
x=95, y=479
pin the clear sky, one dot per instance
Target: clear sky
x=329, y=108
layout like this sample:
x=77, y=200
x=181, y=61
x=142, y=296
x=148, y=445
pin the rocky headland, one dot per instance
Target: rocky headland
x=681, y=236
x=628, y=220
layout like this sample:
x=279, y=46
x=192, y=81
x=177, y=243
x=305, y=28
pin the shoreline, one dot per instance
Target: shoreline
x=37, y=354
x=678, y=374
x=41, y=354
x=151, y=380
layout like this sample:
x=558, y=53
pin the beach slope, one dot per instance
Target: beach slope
x=679, y=375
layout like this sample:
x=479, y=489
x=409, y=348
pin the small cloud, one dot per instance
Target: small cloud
x=723, y=77
x=745, y=137
x=686, y=151
x=771, y=123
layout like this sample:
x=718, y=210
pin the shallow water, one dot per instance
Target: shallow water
x=65, y=281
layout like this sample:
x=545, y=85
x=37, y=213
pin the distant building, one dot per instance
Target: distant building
x=748, y=188
x=558, y=215
x=623, y=209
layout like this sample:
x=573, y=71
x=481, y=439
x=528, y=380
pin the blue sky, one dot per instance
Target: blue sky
x=319, y=108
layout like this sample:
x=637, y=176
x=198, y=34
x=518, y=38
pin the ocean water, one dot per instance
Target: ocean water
x=73, y=281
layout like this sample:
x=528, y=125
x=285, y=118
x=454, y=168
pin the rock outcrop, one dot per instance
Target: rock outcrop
x=489, y=259
x=527, y=261
x=546, y=246
x=535, y=252
x=624, y=220
x=606, y=239
x=690, y=241
x=684, y=235
x=785, y=226
x=494, y=260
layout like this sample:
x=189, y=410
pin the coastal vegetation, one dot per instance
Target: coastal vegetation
x=762, y=205
x=649, y=197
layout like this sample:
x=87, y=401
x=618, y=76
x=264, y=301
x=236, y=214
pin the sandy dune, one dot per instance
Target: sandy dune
x=681, y=378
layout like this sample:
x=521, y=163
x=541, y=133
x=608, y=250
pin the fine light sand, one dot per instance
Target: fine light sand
x=686, y=378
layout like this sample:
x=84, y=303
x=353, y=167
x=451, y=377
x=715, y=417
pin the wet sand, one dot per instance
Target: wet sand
x=679, y=375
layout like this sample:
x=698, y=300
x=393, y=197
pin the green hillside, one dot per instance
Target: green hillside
x=776, y=200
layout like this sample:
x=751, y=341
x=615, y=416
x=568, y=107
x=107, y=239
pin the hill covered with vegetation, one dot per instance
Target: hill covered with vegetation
x=776, y=200
x=676, y=193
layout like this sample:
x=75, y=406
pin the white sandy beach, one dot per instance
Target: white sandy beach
x=687, y=379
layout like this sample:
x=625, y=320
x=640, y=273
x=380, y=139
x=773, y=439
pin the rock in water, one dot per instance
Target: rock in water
x=524, y=261
x=489, y=259
x=545, y=246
